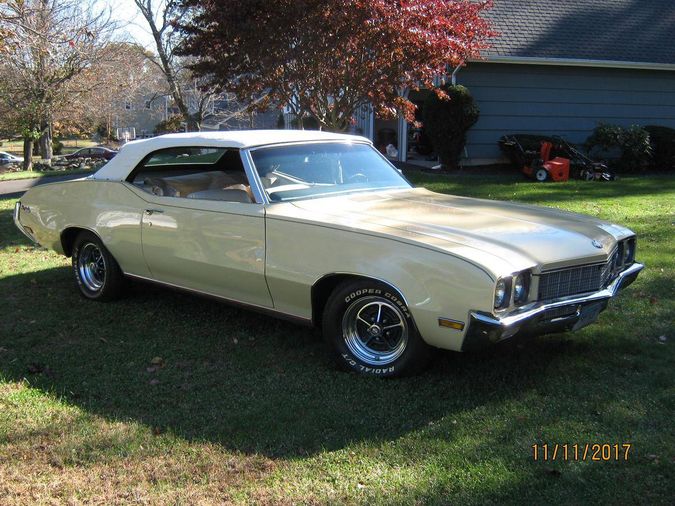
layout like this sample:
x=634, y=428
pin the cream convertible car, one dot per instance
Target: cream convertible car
x=320, y=228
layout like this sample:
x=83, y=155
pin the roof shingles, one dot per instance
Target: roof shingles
x=605, y=30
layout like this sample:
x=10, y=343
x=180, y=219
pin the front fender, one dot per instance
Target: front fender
x=434, y=284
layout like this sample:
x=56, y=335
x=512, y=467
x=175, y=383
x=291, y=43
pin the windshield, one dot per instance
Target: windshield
x=320, y=169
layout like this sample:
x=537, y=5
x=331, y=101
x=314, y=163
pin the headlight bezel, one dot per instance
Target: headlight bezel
x=505, y=300
x=524, y=278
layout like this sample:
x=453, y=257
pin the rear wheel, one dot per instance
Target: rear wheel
x=541, y=175
x=97, y=274
x=369, y=329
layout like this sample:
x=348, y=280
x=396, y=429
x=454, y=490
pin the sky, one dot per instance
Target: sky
x=130, y=21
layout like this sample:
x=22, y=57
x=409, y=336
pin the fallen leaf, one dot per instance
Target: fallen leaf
x=154, y=381
x=103, y=340
x=157, y=431
x=158, y=361
x=235, y=340
x=663, y=339
x=653, y=300
x=35, y=368
x=151, y=369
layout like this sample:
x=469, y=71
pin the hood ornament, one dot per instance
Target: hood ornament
x=596, y=243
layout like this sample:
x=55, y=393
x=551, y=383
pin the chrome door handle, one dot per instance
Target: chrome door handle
x=153, y=211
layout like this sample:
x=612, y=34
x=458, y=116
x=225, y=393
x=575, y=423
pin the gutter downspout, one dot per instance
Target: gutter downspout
x=454, y=83
x=453, y=77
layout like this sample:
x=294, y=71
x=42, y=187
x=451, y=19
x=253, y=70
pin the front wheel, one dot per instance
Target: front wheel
x=97, y=274
x=368, y=329
x=541, y=175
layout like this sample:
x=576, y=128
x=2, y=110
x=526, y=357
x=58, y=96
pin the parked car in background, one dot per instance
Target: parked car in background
x=321, y=229
x=97, y=153
x=7, y=158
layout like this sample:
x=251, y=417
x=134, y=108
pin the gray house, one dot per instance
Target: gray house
x=561, y=67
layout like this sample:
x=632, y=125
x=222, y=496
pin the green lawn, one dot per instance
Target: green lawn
x=10, y=176
x=244, y=408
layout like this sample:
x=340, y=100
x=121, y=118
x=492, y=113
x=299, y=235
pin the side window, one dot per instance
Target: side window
x=194, y=173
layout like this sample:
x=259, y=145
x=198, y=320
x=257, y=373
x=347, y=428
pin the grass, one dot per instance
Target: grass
x=34, y=174
x=242, y=408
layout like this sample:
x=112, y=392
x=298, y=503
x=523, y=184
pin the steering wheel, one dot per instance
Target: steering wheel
x=358, y=177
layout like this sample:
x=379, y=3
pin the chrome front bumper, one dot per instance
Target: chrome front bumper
x=17, y=211
x=544, y=317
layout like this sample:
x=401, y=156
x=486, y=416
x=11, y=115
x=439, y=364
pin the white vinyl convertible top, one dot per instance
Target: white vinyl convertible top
x=133, y=152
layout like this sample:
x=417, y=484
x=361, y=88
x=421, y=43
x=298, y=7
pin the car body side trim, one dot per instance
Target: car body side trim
x=362, y=276
x=389, y=237
x=233, y=302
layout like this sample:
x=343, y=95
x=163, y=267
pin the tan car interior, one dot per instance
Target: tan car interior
x=227, y=183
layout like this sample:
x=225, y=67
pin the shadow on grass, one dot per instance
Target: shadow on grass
x=9, y=235
x=246, y=381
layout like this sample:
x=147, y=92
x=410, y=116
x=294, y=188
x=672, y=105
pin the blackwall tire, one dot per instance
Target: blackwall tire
x=97, y=274
x=368, y=329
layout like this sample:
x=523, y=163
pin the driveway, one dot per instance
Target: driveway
x=17, y=187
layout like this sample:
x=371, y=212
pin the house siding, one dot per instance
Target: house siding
x=565, y=101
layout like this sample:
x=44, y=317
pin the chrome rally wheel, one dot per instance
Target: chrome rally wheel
x=375, y=331
x=97, y=274
x=369, y=329
x=91, y=267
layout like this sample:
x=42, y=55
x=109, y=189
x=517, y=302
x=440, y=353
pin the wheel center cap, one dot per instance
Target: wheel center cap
x=375, y=331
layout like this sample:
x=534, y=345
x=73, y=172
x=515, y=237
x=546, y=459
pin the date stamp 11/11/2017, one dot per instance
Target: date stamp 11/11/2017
x=593, y=452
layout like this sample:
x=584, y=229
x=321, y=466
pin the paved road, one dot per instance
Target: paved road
x=16, y=188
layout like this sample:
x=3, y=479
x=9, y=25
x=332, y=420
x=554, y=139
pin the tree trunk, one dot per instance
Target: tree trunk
x=27, y=154
x=46, y=144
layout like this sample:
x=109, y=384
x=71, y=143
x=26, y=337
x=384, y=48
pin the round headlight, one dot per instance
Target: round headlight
x=520, y=289
x=500, y=293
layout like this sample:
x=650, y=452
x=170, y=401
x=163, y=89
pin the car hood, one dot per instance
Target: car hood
x=498, y=235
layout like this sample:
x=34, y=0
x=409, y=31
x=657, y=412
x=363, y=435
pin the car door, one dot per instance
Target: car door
x=204, y=243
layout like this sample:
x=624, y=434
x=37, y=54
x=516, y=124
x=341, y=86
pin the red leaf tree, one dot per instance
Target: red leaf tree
x=327, y=58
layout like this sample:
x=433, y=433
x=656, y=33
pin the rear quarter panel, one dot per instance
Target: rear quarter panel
x=107, y=208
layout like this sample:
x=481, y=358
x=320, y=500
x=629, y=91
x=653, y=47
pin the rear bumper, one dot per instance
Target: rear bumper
x=544, y=317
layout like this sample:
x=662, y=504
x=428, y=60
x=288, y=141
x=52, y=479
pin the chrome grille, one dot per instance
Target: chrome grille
x=575, y=280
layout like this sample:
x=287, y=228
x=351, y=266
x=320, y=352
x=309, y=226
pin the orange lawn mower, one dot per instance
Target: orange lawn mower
x=555, y=160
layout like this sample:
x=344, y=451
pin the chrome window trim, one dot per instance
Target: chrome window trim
x=315, y=141
x=259, y=190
